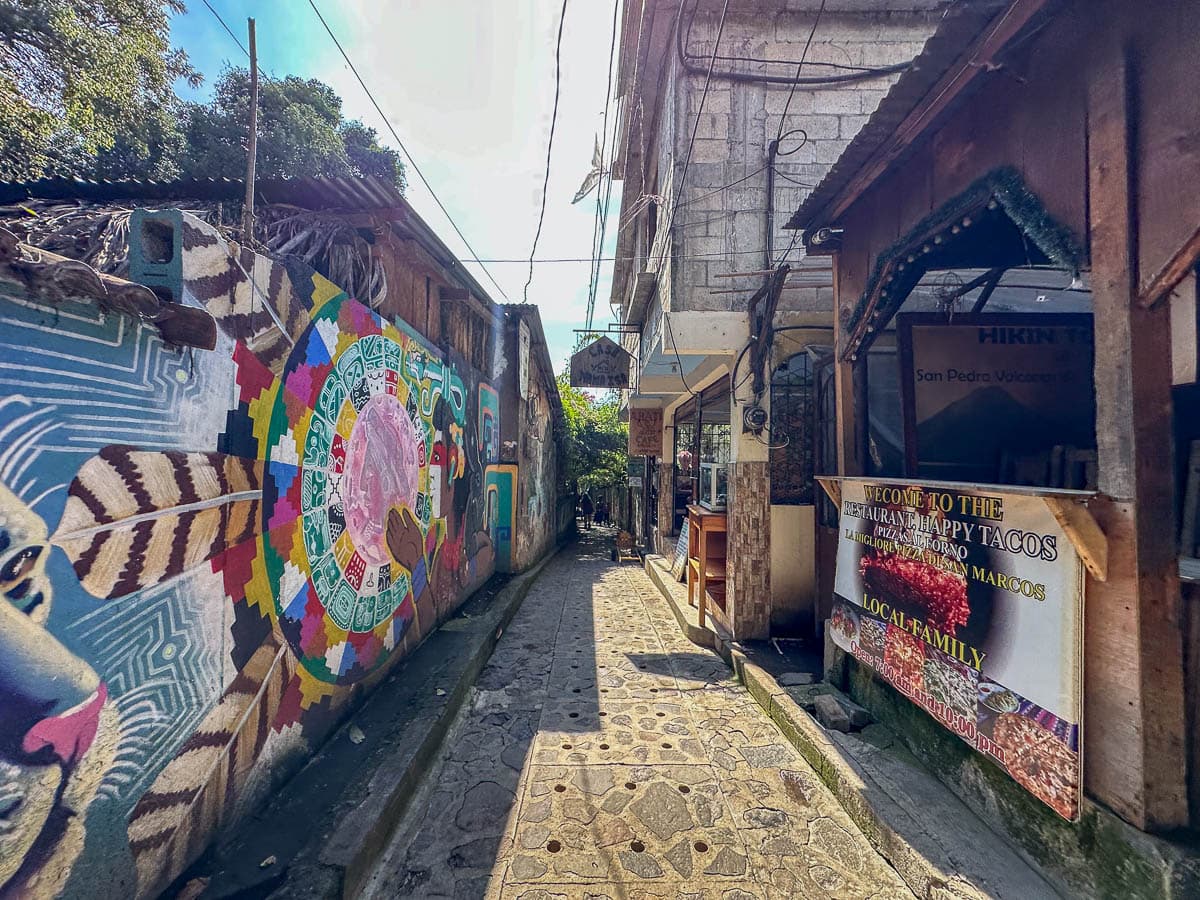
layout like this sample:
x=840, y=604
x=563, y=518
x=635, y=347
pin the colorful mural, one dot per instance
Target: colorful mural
x=200, y=552
x=489, y=423
x=501, y=492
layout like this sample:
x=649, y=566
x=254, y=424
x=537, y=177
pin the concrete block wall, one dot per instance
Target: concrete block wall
x=716, y=231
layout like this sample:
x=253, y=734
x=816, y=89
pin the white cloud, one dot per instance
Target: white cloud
x=469, y=87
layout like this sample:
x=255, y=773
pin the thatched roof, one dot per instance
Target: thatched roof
x=97, y=233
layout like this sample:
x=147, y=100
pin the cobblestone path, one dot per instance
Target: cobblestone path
x=605, y=756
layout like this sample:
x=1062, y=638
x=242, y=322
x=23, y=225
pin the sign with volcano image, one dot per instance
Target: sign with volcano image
x=969, y=602
x=982, y=389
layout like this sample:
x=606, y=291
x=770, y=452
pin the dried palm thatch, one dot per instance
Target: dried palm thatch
x=98, y=234
x=327, y=242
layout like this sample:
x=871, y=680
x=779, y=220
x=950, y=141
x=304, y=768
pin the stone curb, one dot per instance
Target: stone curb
x=660, y=574
x=357, y=814
x=366, y=832
x=925, y=877
x=925, y=869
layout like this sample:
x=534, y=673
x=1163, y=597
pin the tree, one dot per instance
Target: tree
x=597, y=441
x=300, y=132
x=72, y=72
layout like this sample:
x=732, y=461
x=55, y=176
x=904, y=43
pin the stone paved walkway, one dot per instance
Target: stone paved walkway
x=605, y=756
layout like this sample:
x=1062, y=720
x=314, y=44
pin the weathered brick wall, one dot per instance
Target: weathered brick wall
x=749, y=551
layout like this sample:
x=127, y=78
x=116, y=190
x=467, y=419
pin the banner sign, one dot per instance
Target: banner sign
x=601, y=364
x=645, y=431
x=969, y=601
x=992, y=391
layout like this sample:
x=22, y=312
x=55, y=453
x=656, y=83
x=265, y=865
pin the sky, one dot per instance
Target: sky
x=469, y=87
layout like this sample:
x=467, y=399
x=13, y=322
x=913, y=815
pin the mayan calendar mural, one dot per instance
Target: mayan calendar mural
x=200, y=552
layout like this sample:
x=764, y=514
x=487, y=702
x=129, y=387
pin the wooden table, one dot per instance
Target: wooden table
x=706, y=559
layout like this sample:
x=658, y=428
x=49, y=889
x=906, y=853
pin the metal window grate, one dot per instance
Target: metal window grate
x=792, y=417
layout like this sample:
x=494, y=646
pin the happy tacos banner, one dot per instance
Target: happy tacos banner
x=969, y=602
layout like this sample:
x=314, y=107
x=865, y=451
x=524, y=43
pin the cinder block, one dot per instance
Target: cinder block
x=712, y=125
x=828, y=152
x=840, y=101
x=851, y=125
x=710, y=151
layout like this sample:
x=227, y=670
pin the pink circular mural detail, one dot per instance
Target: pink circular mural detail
x=381, y=472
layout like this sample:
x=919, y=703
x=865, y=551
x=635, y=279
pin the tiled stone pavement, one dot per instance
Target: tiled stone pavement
x=605, y=756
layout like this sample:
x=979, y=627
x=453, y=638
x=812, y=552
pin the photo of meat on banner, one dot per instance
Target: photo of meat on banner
x=969, y=602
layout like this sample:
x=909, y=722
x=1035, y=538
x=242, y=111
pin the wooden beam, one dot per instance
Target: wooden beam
x=989, y=288
x=1089, y=541
x=1178, y=267
x=973, y=64
x=833, y=489
x=1133, y=671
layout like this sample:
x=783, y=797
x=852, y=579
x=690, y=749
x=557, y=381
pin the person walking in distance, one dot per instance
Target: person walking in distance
x=587, y=508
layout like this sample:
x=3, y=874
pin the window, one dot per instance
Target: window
x=792, y=419
x=702, y=444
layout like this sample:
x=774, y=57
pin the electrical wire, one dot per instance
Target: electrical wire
x=412, y=162
x=562, y=18
x=601, y=211
x=687, y=160
x=866, y=74
x=790, y=247
x=795, y=181
x=236, y=40
x=678, y=358
x=675, y=257
x=799, y=66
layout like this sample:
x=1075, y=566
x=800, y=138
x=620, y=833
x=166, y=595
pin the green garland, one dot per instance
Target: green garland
x=1007, y=188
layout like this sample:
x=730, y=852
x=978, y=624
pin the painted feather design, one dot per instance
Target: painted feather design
x=251, y=296
x=190, y=800
x=135, y=518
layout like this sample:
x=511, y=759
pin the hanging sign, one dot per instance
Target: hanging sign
x=645, y=431
x=969, y=601
x=601, y=364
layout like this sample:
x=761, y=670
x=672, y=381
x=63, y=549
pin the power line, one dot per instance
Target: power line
x=601, y=210
x=687, y=161
x=562, y=19
x=799, y=67
x=412, y=162
x=592, y=259
x=241, y=46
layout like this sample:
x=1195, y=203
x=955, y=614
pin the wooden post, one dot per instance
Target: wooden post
x=849, y=380
x=1133, y=670
x=252, y=147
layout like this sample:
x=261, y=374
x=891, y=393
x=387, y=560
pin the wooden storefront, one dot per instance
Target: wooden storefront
x=1060, y=136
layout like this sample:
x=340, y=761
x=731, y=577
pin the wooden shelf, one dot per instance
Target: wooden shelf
x=707, y=547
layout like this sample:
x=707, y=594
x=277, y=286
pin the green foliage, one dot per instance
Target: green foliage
x=301, y=132
x=72, y=72
x=86, y=90
x=597, y=441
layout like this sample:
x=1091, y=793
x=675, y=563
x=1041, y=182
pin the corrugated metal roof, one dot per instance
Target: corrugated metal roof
x=317, y=193
x=962, y=24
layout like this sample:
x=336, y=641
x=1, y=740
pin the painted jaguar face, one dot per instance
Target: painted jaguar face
x=58, y=732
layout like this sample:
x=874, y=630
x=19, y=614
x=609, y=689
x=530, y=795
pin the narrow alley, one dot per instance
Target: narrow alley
x=605, y=756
